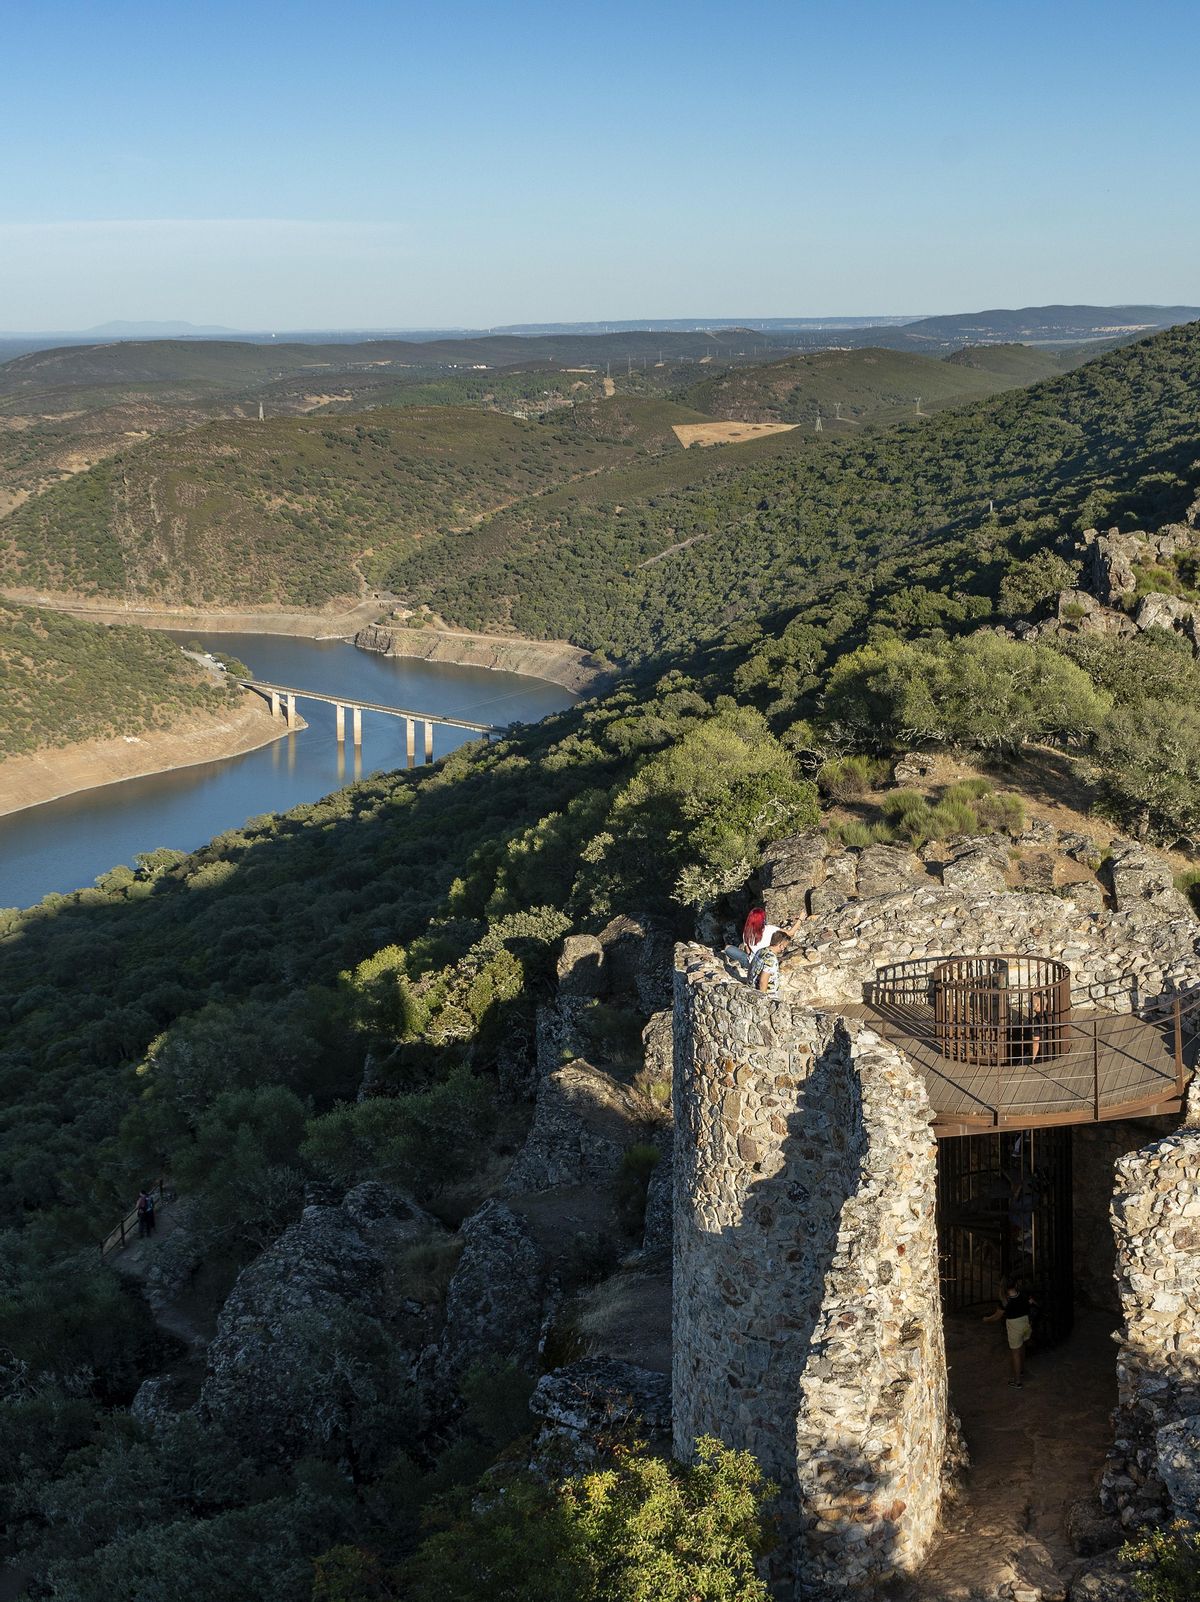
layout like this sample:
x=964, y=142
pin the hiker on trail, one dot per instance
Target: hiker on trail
x=145, y=1212
x=758, y=935
x=1015, y=1306
x=763, y=972
x=151, y=1216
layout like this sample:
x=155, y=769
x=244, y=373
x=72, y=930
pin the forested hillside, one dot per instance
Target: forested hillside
x=62, y=680
x=280, y=511
x=928, y=502
x=837, y=385
x=348, y=994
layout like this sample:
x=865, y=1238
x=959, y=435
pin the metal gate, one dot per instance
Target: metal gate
x=1004, y=1213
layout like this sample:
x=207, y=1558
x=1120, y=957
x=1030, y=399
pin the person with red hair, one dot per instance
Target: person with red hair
x=759, y=936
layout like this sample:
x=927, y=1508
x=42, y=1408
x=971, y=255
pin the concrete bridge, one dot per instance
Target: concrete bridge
x=283, y=698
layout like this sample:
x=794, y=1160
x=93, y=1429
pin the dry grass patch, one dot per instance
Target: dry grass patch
x=689, y=434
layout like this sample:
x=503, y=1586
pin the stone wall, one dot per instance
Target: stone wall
x=1096, y=1149
x=1151, y=1472
x=807, y=1319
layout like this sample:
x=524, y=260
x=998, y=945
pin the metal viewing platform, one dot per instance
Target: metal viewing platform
x=1000, y=1045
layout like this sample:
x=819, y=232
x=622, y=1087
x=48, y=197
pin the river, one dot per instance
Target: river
x=65, y=845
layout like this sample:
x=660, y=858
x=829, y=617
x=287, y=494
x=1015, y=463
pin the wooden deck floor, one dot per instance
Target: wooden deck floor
x=1110, y=1067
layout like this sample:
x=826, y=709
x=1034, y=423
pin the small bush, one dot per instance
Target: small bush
x=1188, y=883
x=1166, y=1565
x=950, y=820
x=968, y=790
x=848, y=778
x=1005, y=812
x=904, y=803
x=852, y=834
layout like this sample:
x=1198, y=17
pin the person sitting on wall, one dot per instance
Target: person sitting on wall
x=1015, y=1307
x=763, y=972
x=757, y=935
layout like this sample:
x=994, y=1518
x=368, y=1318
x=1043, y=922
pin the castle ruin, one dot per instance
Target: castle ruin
x=835, y=1145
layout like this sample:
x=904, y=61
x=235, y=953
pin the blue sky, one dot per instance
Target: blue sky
x=357, y=164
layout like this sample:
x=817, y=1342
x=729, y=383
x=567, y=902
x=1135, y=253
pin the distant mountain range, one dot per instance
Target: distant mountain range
x=1065, y=324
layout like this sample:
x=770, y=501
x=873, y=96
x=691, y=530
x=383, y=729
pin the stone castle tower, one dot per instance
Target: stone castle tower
x=807, y=1299
x=807, y=1324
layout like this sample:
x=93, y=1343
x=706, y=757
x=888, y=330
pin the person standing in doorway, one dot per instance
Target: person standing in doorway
x=1016, y=1306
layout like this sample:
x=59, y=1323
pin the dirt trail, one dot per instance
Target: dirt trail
x=1033, y=1453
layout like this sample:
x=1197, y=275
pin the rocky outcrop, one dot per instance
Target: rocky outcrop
x=1139, y=877
x=281, y=1370
x=583, y=1123
x=496, y=1301
x=1103, y=602
x=584, y=1410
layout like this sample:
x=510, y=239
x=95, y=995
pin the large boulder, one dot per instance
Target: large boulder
x=1178, y=1446
x=639, y=958
x=581, y=967
x=839, y=886
x=292, y=1332
x=583, y=1123
x=584, y=1410
x=1172, y=613
x=978, y=865
x=1108, y=564
x=793, y=866
x=496, y=1300
x=658, y=1229
x=1140, y=876
x=883, y=869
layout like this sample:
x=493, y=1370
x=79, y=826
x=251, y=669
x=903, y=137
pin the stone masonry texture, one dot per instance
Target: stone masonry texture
x=807, y=1319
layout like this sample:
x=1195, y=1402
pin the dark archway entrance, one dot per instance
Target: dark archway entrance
x=1004, y=1212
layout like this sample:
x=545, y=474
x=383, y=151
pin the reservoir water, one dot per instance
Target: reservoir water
x=64, y=845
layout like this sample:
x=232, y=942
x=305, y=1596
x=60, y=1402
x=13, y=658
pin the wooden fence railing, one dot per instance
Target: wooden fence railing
x=117, y=1239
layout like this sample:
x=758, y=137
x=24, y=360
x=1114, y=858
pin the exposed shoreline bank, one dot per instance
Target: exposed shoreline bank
x=551, y=660
x=48, y=775
x=334, y=624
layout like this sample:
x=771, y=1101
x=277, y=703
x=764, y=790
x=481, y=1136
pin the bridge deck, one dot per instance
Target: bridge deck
x=445, y=720
x=1111, y=1066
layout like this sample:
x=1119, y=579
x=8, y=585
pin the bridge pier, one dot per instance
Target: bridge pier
x=410, y=742
x=428, y=741
x=358, y=726
x=341, y=724
x=290, y=708
x=276, y=705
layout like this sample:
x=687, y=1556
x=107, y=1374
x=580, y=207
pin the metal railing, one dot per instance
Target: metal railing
x=981, y=1020
x=117, y=1239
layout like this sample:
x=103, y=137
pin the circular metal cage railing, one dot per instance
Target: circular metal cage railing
x=998, y=1011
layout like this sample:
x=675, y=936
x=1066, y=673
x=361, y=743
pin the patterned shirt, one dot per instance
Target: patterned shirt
x=765, y=962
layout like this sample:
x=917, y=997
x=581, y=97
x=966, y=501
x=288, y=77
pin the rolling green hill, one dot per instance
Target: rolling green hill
x=282, y=511
x=863, y=385
x=777, y=518
x=62, y=680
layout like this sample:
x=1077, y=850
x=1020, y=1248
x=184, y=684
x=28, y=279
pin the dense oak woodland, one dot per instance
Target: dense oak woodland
x=209, y=1016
